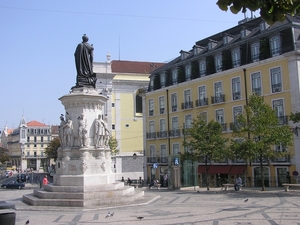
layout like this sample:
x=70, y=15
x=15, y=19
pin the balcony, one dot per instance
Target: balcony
x=174, y=133
x=276, y=51
x=236, y=95
x=162, y=110
x=161, y=134
x=151, y=135
x=255, y=57
x=283, y=120
x=217, y=99
x=276, y=88
x=187, y=105
x=236, y=63
x=174, y=108
x=224, y=126
x=151, y=112
x=256, y=91
x=235, y=125
x=201, y=102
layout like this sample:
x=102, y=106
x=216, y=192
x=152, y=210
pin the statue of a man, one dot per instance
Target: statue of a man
x=68, y=131
x=106, y=135
x=84, y=57
x=99, y=131
x=82, y=131
x=61, y=130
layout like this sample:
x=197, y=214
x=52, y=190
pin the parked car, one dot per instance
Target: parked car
x=8, y=173
x=13, y=184
x=22, y=177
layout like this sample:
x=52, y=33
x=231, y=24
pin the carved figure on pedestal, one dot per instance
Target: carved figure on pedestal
x=99, y=131
x=68, y=131
x=106, y=135
x=82, y=131
x=61, y=130
x=84, y=57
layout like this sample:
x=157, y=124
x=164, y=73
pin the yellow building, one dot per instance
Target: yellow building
x=121, y=81
x=214, y=78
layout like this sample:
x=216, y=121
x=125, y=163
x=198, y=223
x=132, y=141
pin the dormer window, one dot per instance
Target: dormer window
x=211, y=44
x=188, y=72
x=227, y=39
x=184, y=54
x=243, y=33
x=163, y=79
x=263, y=26
x=197, y=49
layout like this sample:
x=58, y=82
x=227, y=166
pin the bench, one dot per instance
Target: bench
x=286, y=186
x=157, y=186
x=225, y=186
x=136, y=185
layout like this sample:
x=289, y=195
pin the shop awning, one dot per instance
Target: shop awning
x=219, y=169
x=202, y=169
x=237, y=169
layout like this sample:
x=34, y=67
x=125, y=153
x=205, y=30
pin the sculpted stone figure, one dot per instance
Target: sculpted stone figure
x=68, y=131
x=99, y=131
x=106, y=135
x=61, y=129
x=84, y=63
x=82, y=131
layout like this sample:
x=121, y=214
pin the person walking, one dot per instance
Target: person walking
x=238, y=183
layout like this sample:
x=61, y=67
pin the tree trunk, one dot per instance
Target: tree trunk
x=262, y=174
x=207, y=178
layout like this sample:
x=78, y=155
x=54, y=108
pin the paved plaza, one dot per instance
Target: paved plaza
x=189, y=206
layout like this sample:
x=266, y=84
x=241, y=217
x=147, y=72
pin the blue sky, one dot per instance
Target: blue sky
x=38, y=40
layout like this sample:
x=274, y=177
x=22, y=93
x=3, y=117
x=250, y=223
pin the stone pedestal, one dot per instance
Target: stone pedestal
x=83, y=170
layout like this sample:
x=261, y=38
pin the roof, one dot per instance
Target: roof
x=35, y=123
x=120, y=66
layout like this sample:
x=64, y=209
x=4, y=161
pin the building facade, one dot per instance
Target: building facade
x=122, y=81
x=214, y=79
x=26, y=145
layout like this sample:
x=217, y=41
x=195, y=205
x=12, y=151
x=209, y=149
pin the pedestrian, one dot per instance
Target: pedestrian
x=129, y=181
x=165, y=180
x=45, y=181
x=238, y=183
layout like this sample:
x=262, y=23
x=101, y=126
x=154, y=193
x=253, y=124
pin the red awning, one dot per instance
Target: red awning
x=202, y=169
x=219, y=169
x=237, y=169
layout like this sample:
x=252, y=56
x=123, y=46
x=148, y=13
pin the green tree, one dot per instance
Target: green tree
x=270, y=10
x=51, y=150
x=113, y=145
x=206, y=143
x=4, y=156
x=257, y=132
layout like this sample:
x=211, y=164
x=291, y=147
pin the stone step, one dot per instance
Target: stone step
x=103, y=201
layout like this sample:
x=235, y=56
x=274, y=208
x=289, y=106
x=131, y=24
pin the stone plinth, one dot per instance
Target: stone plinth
x=83, y=168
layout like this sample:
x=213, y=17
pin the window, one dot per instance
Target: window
x=151, y=107
x=23, y=133
x=42, y=139
x=188, y=72
x=220, y=116
x=174, y=125
x=255, y=52
x=162, y=128
x=152, y=154
x=202, y=68
x=218, y=93
x=174, y=102
x=202, y=100
x=176, y=149
x=28, y=139
x=163, y=153
x=161, y=104
x=187, y=100
x=237, y=110
x=188, y=121
x=276, y=80
x=236, y=57
x=203, y=115
x=138, y=104
x=243, y=33
x=275, y=45
x=279, y=109
x=174, y=76
x=34, y=139
x=225, y=40
x=218, y=63
x=112, y=104
x=263, y=26
x=113, y=126
x=28, y=153
x=236, y=88
x=256, y=83
x=34, y=131
x=151, y=126
x=163, y=79
x=151, y=86
x=42, y=131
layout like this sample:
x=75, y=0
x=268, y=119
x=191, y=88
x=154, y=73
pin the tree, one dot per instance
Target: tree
x=270, y=10
x=51, y=150
x=113, y=145
x=206, y=143
x=257, y=132
x=4, y=156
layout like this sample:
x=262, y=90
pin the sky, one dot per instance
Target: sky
x=38, y=41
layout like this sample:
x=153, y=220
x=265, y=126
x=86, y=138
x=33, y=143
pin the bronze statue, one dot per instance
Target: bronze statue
x=84, y=63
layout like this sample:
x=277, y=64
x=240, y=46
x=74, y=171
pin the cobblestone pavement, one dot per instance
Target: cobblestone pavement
x=189, y=206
